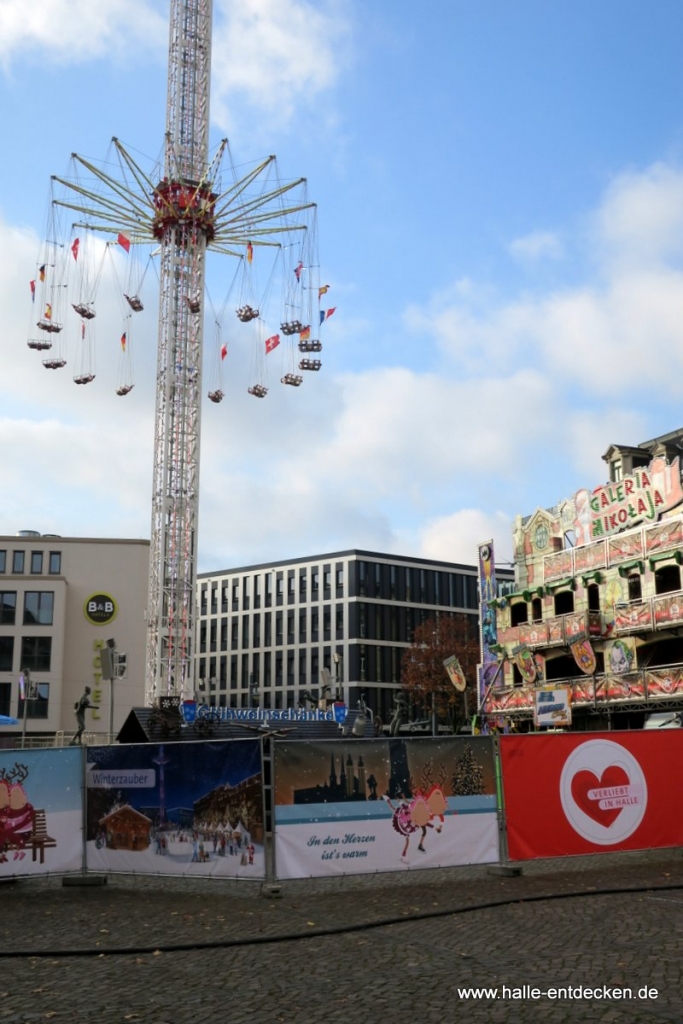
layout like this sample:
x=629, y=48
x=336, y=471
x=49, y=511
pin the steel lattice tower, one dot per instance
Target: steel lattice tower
x=184, y=224
x=183, y=215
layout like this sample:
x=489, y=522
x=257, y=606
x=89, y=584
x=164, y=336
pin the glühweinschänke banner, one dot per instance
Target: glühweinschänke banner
x=383, y=805
x=176, y=809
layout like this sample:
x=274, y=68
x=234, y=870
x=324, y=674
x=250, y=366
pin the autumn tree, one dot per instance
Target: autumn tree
x=423, y=676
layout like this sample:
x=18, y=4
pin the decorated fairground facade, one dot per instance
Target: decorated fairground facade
x=593, y=631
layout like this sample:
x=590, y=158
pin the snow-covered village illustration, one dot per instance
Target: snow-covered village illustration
x=176, y=809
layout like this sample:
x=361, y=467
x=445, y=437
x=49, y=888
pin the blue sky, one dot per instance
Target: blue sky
x=500, y=194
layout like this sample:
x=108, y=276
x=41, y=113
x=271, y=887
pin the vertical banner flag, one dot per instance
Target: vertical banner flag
x=74, y=248
x=488, y=636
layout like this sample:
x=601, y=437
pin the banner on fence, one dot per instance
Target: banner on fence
x=578, y=793
x=383, y=805
x=41, y=812
x=176, y=809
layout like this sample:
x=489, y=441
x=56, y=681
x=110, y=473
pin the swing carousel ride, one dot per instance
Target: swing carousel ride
x=120, y=214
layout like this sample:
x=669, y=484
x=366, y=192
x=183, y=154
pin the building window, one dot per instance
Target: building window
x=290, y=668
x=667, y=579
x=339, y=621
x=37, y=707
x=202, y=603
x=257, y=591
x=213, y=635
x=278, y=668
x=36, y=562
x=362, y=585
x=3, y=561
x=363, y=663
x=17, y=561
x=290, y=627
x=224, y=634
x=302, y=668
x=327, y=622
x=339, y=580
x=245, y=631
x=36, y=653
x=291, y=588
x=327, y=583
x=314, y=624
x=315, y=584
x=362, y=620
x=224, y=598
x=257, y=631
x=234, y=637
x=267, y=638
x=302, y=584
x=6, y=655
x=38, y=607
x=55, y=563
x=302, y=626
x=245, y=593
x=279, y=588
x=519, y=612
x=635, y=587
x=5, y=698
x=214, y=599
x=536, y=610
x=593, y=597
x=278, y=628
x=267, y=678
x=202, y=638
x=235, y=595
x=8, y=607
x=269, y=589
x=564, y=602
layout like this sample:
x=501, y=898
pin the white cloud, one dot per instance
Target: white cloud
x=278, y=55
x=539, y=245
x=455, y=538
x=70, y=31
x=640, y=221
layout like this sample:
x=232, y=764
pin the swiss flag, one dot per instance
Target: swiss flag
x=272, y=343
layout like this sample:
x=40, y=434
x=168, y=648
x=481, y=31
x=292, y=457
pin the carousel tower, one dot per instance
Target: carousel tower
x=183, y=224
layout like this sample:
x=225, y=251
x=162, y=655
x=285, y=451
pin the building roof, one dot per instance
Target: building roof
x=330, y=556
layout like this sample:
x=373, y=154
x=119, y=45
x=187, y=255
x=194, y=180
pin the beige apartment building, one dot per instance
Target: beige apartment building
x=61, y=600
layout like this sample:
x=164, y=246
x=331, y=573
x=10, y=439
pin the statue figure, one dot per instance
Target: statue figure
x=401, y=706
x=81, y=705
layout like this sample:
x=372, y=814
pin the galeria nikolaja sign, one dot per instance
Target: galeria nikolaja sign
x=642, y=497
x=584, y=793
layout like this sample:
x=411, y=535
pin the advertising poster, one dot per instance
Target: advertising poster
x=599, y=792
x=384, y=805
x=41, y=811
x=176, y=809
x=553, y=707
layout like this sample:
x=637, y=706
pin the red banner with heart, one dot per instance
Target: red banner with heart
x=574, y=793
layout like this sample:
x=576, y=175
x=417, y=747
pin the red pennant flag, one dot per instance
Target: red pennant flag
x=297, y=271
x=250, y=252
x=32, y=286
x=305, y=334
x=330, y=312
x=123, y=341
x=74, y=248
x=272, y=343
x=124, y=241
x=224, y=351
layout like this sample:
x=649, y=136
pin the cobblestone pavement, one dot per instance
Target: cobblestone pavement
x=290, y=958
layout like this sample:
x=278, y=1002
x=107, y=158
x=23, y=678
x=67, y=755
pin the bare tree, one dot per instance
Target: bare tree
x=424, y=677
